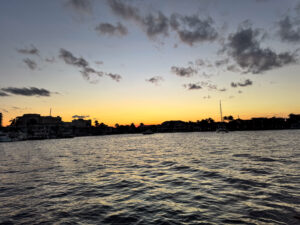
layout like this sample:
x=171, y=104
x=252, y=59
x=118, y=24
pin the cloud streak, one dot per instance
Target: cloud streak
x=80, y=116
x=31, y=91
x=85, y=69
x=32, y=50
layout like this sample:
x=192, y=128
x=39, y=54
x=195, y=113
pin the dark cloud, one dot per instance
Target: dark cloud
x=192, y=29
x=183, y=71
x=191, y=86
x=31, y=91
x=156, y=25
x=115, y=77
x=80, y=6
x=30, y=63
x=155, y=80
x=244, y=48
x=3, y=94
x=223, y=89
x=80, y=117
x=32, y=50
x=246, y=83
x=152, y=24
x=289, y=30
x=110, y=29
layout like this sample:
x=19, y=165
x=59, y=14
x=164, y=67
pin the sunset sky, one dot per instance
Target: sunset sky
x=149, y=60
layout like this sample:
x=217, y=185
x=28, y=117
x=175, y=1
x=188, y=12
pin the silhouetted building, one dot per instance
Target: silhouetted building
x=35, y=126
x=82, y=127
x=81, y=123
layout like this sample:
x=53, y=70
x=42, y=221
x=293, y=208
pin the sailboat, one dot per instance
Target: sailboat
x=222, y=127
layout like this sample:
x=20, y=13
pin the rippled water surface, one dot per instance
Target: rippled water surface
x=178, y=178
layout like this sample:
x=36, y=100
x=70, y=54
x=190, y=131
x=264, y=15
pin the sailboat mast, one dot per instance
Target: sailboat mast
x=221, y=111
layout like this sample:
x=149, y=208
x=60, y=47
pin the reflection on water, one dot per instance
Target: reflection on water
x=179, y=178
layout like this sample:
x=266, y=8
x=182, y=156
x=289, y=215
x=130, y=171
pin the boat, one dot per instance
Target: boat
x=147, y=132
x=221, y=128
x=4, y=137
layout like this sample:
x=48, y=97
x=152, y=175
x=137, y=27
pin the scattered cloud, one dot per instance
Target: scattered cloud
x=80, y=6
x=223, y=89
x=246, y=83
x=191, y=86
x=32, y=50
x=155, y=80
x=115, y=77
x=80, y=62
x=30, y=63
x=80, y=117
x=244, y=48
x=183, y=71
x=110, y=29
x=207, y=97
x=31, y=91
x=86, y=70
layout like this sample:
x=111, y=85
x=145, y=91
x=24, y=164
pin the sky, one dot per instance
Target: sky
x=148, y=61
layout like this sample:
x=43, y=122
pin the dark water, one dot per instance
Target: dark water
x=180, y=178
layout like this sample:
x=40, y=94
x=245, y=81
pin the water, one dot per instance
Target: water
x=178, y=178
